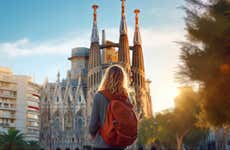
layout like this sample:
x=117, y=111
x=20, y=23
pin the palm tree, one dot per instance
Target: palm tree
x=12, y=140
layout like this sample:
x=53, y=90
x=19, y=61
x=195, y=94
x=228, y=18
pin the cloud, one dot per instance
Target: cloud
x=25, y=47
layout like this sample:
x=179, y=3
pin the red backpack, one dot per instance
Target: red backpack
x=120, y=126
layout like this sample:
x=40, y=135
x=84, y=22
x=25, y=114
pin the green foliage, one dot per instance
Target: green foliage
x=166, y=128
x=14, y=140
x=206, y=57
x=195, y=136
x=146, y=131
x=33, y=145
x=185, y=111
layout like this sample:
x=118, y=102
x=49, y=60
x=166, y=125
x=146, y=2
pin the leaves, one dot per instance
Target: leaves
x=206, y=57
x=179, y=122
x=14, y=140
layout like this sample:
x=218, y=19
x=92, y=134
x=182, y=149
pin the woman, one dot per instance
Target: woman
x=114, y=84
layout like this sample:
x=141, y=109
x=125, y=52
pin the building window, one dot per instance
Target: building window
x=79, y=98
x=57, y=99
x=80, y=123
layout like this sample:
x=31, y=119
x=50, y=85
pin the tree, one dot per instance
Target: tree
x=12, y=140
x=165, y=128
x=175, y=127
x=206, y=57
x=147, y=131
x=33, y=145
x=157, y=130
x=185, y=111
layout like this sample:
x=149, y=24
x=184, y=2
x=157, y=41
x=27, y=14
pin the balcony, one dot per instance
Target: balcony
x=9, y=88
x=7, y=125
x=7, y=108
x=8, y=116
x=6, y=79
x=10, y=96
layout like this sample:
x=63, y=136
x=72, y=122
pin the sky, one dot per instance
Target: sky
x=36, y=37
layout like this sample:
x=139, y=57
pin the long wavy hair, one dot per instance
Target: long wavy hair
x=115, y=81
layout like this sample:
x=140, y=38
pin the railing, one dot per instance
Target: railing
x=10, y=88
x=8, y=116
x=7, y=79
x=7, y=95
x=6, y=125
x=7, y=108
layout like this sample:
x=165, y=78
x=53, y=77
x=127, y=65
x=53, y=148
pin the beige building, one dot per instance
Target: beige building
x=19, y=104
x=8, y=92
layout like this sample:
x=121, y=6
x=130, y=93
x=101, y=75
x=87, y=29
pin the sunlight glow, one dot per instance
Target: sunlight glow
x=165, y=98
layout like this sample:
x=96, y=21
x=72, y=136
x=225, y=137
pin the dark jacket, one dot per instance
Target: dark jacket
x=98, y=113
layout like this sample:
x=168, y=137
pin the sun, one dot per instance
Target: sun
x=174, y=93
x=165, y=98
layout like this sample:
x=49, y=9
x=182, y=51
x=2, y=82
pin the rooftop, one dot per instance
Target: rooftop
x=80, y=52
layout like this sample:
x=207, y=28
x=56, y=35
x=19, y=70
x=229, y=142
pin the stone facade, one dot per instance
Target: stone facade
x=63, y=106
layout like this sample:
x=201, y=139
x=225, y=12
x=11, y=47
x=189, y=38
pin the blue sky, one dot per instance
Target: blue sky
x=36, y=37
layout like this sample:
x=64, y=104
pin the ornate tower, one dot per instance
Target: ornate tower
x=138, y=72
x=94, y=67
x=123, y=53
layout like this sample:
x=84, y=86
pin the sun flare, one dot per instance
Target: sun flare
x=165, y=98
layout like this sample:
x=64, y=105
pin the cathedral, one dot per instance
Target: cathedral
x=66, y=104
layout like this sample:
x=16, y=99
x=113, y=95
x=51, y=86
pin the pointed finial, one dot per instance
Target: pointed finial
x=95, y=7
x=137, y=11
x=103, y=37
x=123, y=7
x=58, y=76
x=137, y=35
x=95, y=36
x=123, y=26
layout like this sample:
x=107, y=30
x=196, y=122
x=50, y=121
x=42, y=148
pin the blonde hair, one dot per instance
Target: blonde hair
x=115, y=80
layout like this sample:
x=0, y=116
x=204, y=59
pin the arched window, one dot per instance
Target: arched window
x=57, y=99
x=68, y=99
x=56, y=124
x=79, y=98
x=80, y=123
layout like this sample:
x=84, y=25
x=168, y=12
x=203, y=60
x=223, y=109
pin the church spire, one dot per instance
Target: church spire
x=123, y=26
x=123, y=53
x=137, y=35
x=138, y=60
x=138, y=72
x=58, y=77
x=95, y=36
x=94, y=73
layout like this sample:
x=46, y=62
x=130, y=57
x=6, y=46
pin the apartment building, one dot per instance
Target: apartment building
x=19, y=104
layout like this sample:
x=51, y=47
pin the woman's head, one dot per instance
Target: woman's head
x=115, y=81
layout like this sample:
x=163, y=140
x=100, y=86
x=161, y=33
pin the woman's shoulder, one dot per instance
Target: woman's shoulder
x=99, y=96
